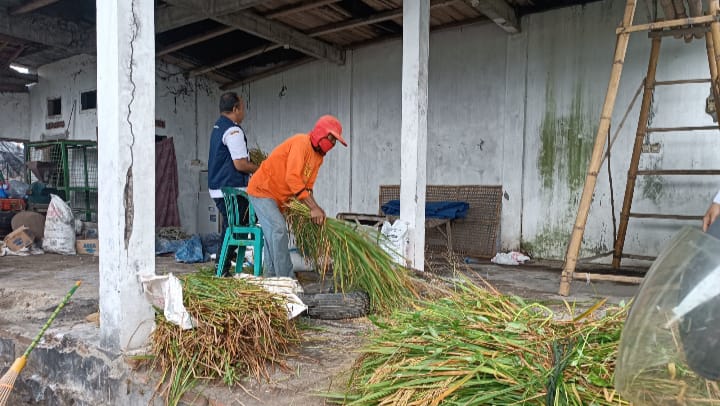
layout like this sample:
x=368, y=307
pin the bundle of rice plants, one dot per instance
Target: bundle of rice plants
x=356, y=258
x=240, y=330
x=482, y=348
x=257, y=155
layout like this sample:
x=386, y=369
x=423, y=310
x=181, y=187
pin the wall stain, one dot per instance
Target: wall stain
x=566, y=141
x=652, y=187
x=552, y=242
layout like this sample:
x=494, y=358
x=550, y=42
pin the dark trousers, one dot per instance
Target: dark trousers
x=243, y=206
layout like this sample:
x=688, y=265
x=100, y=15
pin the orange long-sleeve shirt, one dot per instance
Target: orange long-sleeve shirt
x=289, y=171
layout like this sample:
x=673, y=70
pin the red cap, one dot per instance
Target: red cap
x=325, y=125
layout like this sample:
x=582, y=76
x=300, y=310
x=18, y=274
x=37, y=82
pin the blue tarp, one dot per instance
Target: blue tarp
x=434, y=210
x=195, y=249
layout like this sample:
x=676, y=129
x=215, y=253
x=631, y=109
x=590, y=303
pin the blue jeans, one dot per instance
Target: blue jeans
x=277, y=260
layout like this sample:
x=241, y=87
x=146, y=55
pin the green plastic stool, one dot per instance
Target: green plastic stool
x=238, y=235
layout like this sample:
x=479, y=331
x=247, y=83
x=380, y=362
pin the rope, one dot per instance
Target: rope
x=622, y=122
x=612, y=192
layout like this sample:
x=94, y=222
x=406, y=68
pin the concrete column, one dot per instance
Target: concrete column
x=413, y=168
x=126, y=168
x=513, y=167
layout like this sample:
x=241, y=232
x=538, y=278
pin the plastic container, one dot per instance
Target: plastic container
x=12, y=204
x=669, y=351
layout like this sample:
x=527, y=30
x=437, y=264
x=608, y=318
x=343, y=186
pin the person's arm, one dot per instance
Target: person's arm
x=244, y=165
x=712, y=212
x=234, y=139
x=317, y=214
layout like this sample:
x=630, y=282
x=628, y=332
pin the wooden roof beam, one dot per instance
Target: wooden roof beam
x=31, y=5
x=308, y=5
x=171, y=17
x=12, y=88
x=269, y=72
x=371, y=19
x=274, y=32
x=499, y=12
x=49, y=31
x=326, y=29
x=193, y=40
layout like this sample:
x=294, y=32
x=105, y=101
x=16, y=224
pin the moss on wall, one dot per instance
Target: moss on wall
x=567, y=140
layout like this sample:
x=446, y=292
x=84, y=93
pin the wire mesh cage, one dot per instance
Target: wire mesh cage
x=70, y=167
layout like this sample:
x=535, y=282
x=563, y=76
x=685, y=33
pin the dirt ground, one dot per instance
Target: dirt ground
x=31, y=287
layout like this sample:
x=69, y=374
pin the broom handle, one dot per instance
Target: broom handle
x=50, y=320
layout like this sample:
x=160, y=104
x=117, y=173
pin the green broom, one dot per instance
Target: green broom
x=8, y=380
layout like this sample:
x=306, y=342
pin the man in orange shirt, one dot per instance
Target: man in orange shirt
x=290, y=171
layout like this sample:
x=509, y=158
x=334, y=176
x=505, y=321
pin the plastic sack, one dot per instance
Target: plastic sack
x=509, y=258
x=396, y=240
x=59, y=236
x=165, y=292
x=190, y=251
x=18, y=189
x=283, y=286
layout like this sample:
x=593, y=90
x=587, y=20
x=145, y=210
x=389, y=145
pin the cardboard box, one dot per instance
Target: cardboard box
x=87, y=247
x=19, y=239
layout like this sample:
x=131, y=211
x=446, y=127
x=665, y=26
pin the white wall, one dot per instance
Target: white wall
x=14, y=115
x=520, y=111
x=177, y=102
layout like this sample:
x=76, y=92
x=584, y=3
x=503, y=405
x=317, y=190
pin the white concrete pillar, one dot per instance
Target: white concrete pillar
x=513, y=140
x=416, y=36
x=126, y=168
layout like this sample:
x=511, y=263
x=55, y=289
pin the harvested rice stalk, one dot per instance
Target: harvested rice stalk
x=257, y=156
x=358, y=262
x=481, y=348
x=240, y=329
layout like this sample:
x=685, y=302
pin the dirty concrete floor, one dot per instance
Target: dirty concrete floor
x=31, y=287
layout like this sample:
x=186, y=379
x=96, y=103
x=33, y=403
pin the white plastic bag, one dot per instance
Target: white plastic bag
x=165, y=292
x=509, y=258
x=396, y=240
x=59, y=235
x=286, y=287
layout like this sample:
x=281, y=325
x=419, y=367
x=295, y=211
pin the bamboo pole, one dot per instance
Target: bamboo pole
x=675, y=172
x=664, y=216
x=680, y=22
x=637, y=150
x=598, y=151
x=586, y=276
x=678, y=129
x=712, y=62
x=680, y=82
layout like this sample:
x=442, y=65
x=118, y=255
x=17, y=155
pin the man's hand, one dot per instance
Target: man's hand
x=712, y=214
x=317, y=215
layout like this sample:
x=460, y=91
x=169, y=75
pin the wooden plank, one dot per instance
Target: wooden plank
x=499, y=12
x=371, y=19
x=645, y=107
x=310, y=5
x=679, y=31
x=266, y=73
x=31, y=5
x=193, y=40
x=596, y=277
x=171, y=17
x=233, y=59
x=573, y=250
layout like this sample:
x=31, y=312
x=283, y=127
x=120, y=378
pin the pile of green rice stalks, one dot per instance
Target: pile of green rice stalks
x=240, y=330
x=356, y=258
x=481, y=348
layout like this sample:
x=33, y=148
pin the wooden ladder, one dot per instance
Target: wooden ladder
x=708, y=24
